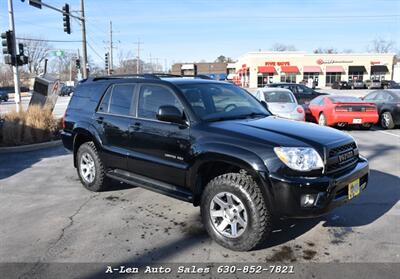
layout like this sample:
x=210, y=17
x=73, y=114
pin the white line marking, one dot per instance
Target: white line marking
x=387, y=133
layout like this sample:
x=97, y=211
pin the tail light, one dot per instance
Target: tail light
x=63, y=121
x=341, y=109
x=300, y=109
x=371, y=108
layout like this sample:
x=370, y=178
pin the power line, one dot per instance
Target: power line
x=49, y=41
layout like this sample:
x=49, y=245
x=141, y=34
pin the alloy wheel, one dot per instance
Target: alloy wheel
x=228, y=215
x=87, y=168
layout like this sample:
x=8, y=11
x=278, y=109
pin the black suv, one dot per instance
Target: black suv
x=302, y=93
x=212, y=144
x=3, y=95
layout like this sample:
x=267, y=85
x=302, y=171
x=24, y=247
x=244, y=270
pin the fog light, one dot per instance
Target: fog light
x=307, y=200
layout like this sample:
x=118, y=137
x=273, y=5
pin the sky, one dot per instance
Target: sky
x=193, y=30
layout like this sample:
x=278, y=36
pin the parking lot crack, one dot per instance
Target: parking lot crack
x=71, y=220
x=53, y=251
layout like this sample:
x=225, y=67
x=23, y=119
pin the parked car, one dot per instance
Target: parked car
x=66, y=90
x=357, y=84
x=375, y=84
x=281, y=102
x=388, y=104
x=3, y=96
x=214, y=145
x=390, y=84
x=342, y=111
x=341, y=85
x=302, y=93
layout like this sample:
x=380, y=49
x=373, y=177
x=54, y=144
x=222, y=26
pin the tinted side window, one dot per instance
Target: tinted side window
x=380, y=96
x=316, y=101
x=104, y=105
x=370, y=96
x=121, y=99
x=151, y=97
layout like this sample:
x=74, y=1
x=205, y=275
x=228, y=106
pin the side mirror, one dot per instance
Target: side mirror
x=170, y=114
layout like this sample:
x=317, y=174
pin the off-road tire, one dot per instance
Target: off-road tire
x=259, y=223
x=100, y=181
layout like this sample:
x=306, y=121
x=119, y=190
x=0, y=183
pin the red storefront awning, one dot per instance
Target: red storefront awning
x=266, y=69
x=289, y=69
x=334, y=69
x=311, y=69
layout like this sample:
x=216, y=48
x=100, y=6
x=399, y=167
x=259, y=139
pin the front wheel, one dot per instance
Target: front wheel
x=90, y=168
x=234, y=212
x=387, y=120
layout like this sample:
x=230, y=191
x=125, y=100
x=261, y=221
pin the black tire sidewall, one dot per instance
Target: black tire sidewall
x=244, y=241
x=96, y=185
x=391, y=124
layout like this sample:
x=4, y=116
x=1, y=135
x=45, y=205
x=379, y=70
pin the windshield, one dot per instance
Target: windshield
x=344, y=99
x=279, y=97
x=213, y=101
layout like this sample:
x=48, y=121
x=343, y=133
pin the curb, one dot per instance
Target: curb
x=30, y=147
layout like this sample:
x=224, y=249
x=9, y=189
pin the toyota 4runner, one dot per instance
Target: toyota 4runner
x=211, y=144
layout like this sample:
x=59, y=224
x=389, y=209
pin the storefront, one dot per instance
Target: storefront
x=356, y=73
x=378, y=72
x=311, y=73
x=257, y=69
x=265, y=75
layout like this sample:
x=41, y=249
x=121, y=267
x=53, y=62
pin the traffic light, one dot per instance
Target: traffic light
x=7, y=44
x=35, y=3
x=66, y=19
x=22, y=59
x=78, y=63
x=106, y=61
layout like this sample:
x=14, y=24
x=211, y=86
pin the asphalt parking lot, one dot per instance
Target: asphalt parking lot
x=47, y=216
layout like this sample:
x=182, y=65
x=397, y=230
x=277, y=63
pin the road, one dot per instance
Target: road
x=47, y=216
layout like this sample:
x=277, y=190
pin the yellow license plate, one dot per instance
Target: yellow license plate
x=354, y=188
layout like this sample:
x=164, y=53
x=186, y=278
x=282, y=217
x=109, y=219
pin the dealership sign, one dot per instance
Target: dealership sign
x=286, y=63
x=331, y=61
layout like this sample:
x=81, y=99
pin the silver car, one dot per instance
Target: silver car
x=281, y=102
x=375, y=84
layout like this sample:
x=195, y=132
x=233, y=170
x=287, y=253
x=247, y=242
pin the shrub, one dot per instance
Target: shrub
x=35, y=125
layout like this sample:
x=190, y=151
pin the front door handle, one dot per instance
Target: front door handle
x=135, y=126
x=100, y=119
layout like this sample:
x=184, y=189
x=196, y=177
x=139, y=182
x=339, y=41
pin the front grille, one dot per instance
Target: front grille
x=342, y=157
x=342, y=149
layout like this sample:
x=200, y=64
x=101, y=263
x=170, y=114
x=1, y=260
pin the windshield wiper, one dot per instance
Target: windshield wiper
x=243, y=116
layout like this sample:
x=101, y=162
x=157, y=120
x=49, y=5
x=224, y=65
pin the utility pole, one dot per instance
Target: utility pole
x=111, y=49
x=11, y=26
x=84, y=50
x=138, y=43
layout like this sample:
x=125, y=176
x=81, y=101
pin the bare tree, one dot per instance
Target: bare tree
x=283, y=47
x=380, y=45
x=325, y=50
x=223, y=59
x=37, y=52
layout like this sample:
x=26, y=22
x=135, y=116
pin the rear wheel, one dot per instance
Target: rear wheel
x=90, y=168
x=234, y=212
x=322, y=119
x=387, y=120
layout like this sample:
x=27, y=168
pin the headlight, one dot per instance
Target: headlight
x=299, y=158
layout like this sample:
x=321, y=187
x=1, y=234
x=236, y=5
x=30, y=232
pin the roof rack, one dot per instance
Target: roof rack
x=149, y=76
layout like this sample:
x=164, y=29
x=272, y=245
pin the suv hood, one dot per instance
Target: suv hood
x=281, y=132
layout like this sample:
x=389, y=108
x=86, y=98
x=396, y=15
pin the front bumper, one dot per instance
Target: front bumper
x=333, y=190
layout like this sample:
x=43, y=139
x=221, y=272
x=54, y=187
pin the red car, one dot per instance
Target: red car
x=342, y=111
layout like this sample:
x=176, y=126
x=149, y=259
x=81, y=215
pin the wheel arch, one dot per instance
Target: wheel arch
x=82, y=135
x=212, y=164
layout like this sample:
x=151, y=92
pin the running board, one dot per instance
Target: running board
x=151, y=184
